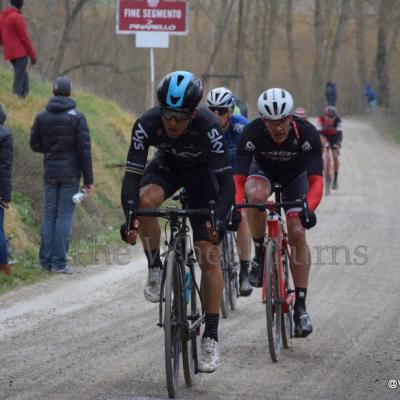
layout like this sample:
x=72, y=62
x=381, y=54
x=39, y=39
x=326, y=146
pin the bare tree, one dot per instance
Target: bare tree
x=69, y=23
x=317, y=79
x=340, y=31
x=240, y=51
x=290, y=48
x=382, y=70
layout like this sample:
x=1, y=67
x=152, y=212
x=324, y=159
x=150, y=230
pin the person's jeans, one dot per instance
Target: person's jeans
x=58, y=211
x=21, y=80
x=3, y=240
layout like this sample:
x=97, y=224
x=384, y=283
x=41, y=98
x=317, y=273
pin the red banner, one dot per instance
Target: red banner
x=152, y=16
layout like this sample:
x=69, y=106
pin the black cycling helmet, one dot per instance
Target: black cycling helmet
x=330, y=110
x=62, y=86
x=17, y=3
x=180, y=90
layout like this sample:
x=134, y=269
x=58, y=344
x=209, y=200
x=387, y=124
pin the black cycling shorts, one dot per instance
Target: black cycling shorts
x=200, y=184
x=335, y=141
x=293, y=188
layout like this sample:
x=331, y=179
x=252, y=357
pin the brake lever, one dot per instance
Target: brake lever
x=211, y=206
x=131, y=208
x=305, y=209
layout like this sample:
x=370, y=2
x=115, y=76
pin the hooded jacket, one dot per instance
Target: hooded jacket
x=62, y=134
x=6, y=157
x=14, y=36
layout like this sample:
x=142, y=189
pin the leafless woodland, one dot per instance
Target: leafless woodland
x=247, y=45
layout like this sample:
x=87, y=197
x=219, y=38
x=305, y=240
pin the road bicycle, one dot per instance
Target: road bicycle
x=230, y=267
x=277, y=285
x=180, y=313
x=327, y=162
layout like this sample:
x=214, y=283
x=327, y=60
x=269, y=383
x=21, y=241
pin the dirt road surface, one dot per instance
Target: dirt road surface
x=92, y=336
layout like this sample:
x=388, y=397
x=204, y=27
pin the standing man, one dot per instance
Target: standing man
x=330, y=127
x=6, y=158
x=280, y=148
x=61, y=133
x=221, y=102
x=17, y=45
x=331, y=93
x=191, y=153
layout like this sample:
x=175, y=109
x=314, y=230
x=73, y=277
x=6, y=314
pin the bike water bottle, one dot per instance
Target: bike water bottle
x=188, y=281
x=78, y=197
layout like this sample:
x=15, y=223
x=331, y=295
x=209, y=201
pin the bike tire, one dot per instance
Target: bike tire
x=232, y=272
x=225, y=277
x=189, y=344
x=273, y=300
x=287, y=317
x=172, y=330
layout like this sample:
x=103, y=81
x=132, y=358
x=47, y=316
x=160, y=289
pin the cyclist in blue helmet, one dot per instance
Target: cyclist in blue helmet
x=221, y=101
x=191, y=153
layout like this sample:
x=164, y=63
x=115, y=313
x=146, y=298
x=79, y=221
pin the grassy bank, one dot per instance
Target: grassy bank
x=97, y=216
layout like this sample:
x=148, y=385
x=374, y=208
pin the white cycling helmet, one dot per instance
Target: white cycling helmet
x=220, y=97
x=275, y=104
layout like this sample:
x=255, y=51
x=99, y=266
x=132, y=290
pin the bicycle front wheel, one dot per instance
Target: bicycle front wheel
x=172, y=326
x=287, y=309
x=189, y=341
x=225, y=276
x=273, y=300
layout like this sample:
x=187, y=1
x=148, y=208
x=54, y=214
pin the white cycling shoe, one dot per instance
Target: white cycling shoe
x=209, y=358
x=153, y=285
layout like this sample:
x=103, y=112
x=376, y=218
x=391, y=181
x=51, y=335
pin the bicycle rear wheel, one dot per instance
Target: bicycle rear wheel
x=273, y=300
x=327, y=174
x=287, y=310
x=172, y=326
x=225, y=276
x=233, y=270
x=189, y=341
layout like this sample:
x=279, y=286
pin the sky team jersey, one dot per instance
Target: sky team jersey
x=328, y=126
x=300, y=152
x=202, y=145
x=233, y=134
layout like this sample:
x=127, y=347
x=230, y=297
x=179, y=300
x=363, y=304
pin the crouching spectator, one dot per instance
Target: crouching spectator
x=6, y=158
x=61, y=133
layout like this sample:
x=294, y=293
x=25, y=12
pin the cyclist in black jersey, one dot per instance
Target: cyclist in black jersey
x=281, y=148
x=191, y=153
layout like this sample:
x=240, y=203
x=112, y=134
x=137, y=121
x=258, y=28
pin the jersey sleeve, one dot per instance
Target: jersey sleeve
x=135, y=164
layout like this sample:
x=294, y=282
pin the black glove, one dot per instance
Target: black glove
x=122, y=232
x=233, y=220
x=312, y=218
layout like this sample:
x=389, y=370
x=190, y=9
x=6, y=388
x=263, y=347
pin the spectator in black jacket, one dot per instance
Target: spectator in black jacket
x=6, y=157
x=62, y=134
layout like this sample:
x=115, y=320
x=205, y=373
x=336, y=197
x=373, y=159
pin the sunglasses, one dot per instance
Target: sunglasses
x=178, y=115
x=220, y=111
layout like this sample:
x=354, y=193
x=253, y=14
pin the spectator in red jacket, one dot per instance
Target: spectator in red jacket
x=17, y=45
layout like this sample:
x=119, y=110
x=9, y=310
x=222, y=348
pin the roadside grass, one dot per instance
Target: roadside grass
x=99, y=215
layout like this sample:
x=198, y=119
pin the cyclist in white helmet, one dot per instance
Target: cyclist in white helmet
x=281, y=148
x=221, y=101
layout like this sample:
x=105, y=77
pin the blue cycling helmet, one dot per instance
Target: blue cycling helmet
x=180, y=90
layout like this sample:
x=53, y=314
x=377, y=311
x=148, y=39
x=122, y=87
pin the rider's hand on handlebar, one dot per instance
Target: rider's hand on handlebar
x=215, y=235
x=131, y=236
x=308, y=218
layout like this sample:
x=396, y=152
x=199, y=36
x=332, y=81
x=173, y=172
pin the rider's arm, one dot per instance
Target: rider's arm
x=314, y=172
x=245, y=151
x=136, y=162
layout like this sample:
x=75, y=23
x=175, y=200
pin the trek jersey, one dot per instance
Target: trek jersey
x=233, y=134
x=301, y=152
x=200, y=147
x=329, y=127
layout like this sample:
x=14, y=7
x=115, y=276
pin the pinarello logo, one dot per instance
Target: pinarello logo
x=153, y=3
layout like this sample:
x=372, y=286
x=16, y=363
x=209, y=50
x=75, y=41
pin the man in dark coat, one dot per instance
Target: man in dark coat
x=6, y=157
x=17, y=45
x=62, y=134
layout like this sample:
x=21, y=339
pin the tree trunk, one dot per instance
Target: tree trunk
x=360, y=43
x=290, y=49
x=239, y=52
x=341, y=28
x=317, y=95
x=218, y=40
x=269, y=39
x=382, y=67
